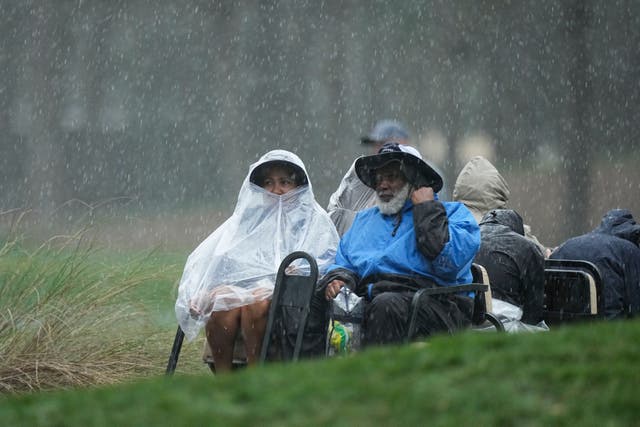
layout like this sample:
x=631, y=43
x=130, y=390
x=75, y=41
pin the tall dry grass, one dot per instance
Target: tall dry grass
x=67, y=320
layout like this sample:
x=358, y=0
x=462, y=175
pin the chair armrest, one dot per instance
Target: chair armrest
x=439, y=290
x=454, y=289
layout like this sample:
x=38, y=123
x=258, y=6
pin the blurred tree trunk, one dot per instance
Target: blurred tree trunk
x=579, y=145
x=43, y=56
x=11, y=150
x=93, y=48
x=453, y=125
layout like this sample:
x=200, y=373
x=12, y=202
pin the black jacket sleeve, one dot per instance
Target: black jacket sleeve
x=532, y=264
x=432, y=228
x=632, y=283
x=347, y=276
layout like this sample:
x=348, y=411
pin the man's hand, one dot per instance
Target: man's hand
x=333, y=289
x=422, y=194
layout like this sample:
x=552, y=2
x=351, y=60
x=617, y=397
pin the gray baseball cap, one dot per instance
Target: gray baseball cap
x=384, y=131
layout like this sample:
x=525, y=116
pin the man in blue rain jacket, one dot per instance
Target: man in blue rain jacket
x=408, y=240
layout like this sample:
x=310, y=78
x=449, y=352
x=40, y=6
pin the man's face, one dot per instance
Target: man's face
x=389, y=181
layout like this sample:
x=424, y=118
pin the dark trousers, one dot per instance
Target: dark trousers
x=387, y=316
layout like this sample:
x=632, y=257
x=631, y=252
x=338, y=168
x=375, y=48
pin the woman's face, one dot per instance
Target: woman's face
x=279, y=180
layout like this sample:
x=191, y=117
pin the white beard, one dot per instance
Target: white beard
x=394, y=205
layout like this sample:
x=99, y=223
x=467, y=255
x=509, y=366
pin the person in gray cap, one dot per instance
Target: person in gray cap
x=352, y=195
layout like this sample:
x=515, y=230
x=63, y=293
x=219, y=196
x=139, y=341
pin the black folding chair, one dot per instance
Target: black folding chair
x=288, y=314
x=289, y=310
x=572, y=291
x=175, y=352
x=481, y=275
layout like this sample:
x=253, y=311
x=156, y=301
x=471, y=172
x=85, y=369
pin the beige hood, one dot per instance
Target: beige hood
x=481, y=187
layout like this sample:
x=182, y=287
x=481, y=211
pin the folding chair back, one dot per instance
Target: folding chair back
x=572, y=291
x=289, y=310
x=480, y=275
x=483, y=302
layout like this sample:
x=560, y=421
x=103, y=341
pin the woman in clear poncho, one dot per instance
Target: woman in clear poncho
x=228, y=280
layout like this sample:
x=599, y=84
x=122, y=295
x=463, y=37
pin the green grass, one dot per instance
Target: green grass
x=585, y=375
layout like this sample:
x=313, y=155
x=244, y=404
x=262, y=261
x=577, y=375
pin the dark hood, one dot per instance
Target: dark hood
x=507, y=217
x=620, y=223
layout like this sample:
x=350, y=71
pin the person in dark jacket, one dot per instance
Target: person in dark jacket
x=513, y=262
x=613, y=248
x=408, y=240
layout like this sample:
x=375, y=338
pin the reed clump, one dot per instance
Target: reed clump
x=69, y=321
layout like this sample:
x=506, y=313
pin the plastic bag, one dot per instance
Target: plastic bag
x=510, y=316
x=347, y=312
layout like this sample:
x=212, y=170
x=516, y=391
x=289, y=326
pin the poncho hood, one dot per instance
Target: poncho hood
x=481, y=187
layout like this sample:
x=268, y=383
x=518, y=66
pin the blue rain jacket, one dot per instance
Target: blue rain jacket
x=436, y=240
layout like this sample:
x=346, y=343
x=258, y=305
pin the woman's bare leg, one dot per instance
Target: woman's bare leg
x=253, y=324
x=221, y=329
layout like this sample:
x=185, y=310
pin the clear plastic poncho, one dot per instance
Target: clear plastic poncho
x=351, y=197
x=237, y=264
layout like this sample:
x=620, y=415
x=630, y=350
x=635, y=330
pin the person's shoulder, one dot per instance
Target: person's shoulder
x=451, y=204
x=626, y=245
x=362, y=221
x=457, y=209
x=368, y=213
x=589, y=243
x=528, y=245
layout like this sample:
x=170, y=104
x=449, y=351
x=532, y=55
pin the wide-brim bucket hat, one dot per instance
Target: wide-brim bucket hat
x=416, y=170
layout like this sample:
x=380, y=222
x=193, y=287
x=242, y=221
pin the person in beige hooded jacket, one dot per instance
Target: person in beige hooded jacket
x=481, y=188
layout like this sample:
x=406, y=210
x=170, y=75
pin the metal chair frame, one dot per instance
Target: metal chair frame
x=561, y=274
